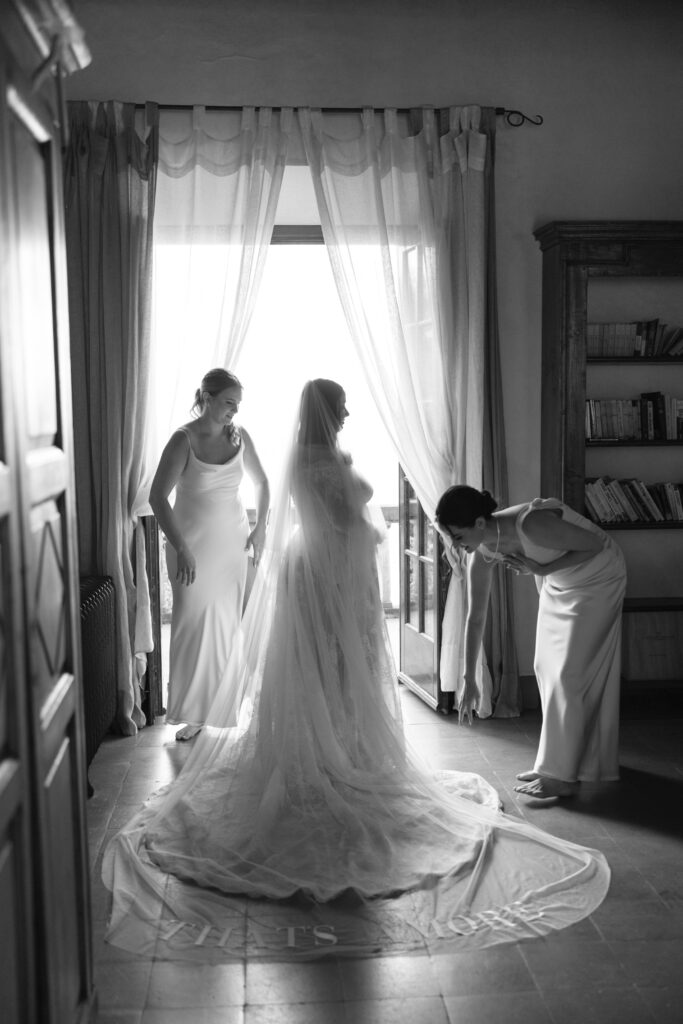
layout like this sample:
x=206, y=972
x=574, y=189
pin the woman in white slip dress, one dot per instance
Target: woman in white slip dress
x=302, y=824
x=208, y=541
x=581, y=579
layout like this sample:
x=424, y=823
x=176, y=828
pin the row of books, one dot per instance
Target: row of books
x=636, y=338
x=632, y=501
x=654, y=416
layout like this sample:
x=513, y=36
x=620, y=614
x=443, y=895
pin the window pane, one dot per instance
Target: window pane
x=428, y=598
x=35, y=336
x=429, y=539
x=297, y=332
x=412, y=610
x=412, y=533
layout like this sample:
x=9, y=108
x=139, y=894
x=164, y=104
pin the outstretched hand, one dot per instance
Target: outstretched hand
x=466, y=703
x=522, y=565
x=256, y=541
x=186, y=572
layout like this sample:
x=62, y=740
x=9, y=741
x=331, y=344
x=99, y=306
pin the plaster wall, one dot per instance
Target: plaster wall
x=607, y=76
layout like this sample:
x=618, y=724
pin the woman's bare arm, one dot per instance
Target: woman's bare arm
x=548, y=530
x=479, y=578
x=258, y=476
x=171, y=465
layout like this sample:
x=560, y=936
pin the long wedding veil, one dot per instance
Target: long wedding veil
x=302, y=824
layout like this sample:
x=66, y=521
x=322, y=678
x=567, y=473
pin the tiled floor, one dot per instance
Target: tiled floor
x=624, y=965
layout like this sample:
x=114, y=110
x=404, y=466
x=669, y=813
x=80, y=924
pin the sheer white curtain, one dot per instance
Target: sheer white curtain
x=219, y=180
x=404, y=223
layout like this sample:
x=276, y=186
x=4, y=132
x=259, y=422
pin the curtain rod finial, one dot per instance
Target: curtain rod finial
x=515, y=118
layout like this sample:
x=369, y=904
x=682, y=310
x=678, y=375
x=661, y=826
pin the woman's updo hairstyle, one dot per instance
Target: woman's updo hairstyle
x=214, y=382
x=319, y=412
x=462, y=505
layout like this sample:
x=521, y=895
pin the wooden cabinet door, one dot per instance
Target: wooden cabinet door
x=44, y=890
x=17, y=984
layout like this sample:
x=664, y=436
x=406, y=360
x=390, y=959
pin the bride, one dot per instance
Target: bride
x=302, y=824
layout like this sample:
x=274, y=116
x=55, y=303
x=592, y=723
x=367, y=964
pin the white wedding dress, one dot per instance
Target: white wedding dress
x=302, y=825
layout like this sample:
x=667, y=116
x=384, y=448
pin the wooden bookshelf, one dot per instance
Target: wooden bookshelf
x=623, y=442
x=668, y=525
x=576, y=254
x=640, y=360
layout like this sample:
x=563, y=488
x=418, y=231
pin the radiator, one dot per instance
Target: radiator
x=98, y=647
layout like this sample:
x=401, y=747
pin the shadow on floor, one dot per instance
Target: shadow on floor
x=655, y=702
x=644, y=799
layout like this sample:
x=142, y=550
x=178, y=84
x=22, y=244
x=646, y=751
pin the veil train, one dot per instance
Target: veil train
x=302, y=825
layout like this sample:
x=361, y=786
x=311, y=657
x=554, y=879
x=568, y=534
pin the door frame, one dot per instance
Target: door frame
x=418, y=647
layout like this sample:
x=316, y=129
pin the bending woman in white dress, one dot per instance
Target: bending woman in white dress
x=302, y=824
x=208, y=540
x=581, y=579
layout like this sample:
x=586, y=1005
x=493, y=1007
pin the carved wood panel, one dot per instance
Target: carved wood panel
x=44, y=882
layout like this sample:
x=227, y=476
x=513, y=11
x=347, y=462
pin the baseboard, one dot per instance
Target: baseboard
x=664, y=693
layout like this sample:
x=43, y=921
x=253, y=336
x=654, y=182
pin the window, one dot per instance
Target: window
x=297, y=332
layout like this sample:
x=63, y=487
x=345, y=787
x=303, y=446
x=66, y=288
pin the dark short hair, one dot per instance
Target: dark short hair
x=462, y=505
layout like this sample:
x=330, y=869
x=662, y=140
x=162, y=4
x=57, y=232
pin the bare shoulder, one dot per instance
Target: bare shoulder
x=541, y=523
x=252, y=461
x=179, y=441
x=172, y=463
x=248, y=446
x=512, y=510
x=510, y=513
x=507, y=521
x=548, y=528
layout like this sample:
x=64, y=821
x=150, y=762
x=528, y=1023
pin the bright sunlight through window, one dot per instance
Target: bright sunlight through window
x=297, y=332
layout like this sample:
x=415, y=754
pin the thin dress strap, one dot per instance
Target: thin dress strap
x=235, y=439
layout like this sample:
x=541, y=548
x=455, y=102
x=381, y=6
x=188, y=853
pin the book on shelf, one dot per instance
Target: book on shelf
x=658, y=495
x=675, y=496
x=592, y=507
x=654, y=416
x=672, y=341
x=650, y=503
x=634, y=494
x=614, y=501
x=598, y=506
x=624, y=500
x=648, y=338
x=650, y=328
x=675, y=347
x=631, y=500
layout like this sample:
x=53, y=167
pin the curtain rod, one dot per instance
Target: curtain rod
x=515, y=118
